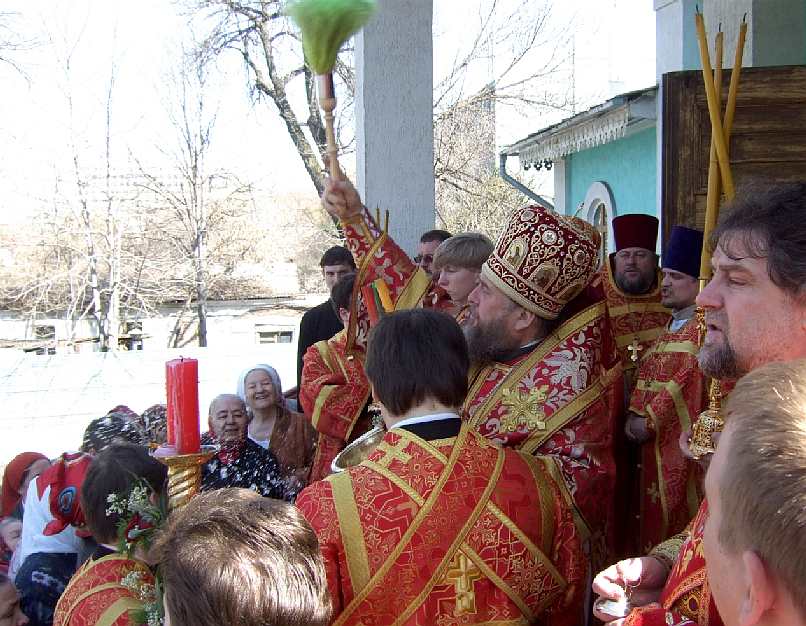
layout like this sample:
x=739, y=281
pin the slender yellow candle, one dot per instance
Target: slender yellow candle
x=712, y=199
x=734, y=80
x=713, y=109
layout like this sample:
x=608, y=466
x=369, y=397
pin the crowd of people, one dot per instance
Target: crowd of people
x=532, y=402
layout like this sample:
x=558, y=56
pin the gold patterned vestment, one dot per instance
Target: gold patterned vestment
x=451, y=530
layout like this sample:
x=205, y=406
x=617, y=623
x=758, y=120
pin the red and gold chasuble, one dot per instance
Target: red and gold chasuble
x=687, y=591
x=333, y=392
x=448, y=532
x=379, y=257
x=562, y=399
x=686, y=598
x=636, y=320
x=95, y=595
x=670, y=392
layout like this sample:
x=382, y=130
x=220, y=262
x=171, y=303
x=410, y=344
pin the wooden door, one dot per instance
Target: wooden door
x=767, y=145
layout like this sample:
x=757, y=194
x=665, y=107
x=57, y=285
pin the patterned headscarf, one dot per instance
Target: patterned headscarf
x=154, y=423
x=106, y=430
x=275, y=381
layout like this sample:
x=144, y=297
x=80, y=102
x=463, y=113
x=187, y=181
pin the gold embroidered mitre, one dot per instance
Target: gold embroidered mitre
x=542, y=260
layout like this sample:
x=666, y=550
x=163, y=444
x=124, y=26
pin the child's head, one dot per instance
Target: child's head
x=10, y=613
x=233, y=557
x=10, y=532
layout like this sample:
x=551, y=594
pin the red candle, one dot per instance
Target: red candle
x=183, y=404
x=170, y=414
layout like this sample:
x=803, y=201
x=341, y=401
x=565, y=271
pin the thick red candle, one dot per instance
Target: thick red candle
x=170, y=413
x=183, y=404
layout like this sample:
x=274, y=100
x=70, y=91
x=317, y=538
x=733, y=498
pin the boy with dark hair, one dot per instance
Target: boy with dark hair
x=432, y=526
x=111, y=585
x=233, y=557
x=322, y=321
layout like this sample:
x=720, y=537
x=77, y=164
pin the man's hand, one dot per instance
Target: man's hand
x=340, y=199
x=636, y=428
x=640, y=580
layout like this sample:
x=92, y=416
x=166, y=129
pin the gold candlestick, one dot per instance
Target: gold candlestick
x=184, y=475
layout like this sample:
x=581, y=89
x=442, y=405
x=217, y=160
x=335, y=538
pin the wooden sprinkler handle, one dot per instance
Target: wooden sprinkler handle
x=327, y=100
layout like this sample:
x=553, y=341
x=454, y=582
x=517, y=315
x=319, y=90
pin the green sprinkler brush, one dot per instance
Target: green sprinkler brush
x=325, y=26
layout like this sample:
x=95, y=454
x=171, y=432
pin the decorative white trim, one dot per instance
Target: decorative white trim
x=595, y=132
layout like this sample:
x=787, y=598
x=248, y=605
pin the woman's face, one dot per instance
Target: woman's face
x=10, y=613
x=259, y=390
x=11, y=531
x=34, y=470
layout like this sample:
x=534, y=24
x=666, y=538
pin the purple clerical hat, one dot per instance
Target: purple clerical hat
x=683, y=251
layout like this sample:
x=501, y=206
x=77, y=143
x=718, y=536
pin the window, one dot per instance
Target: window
x=44, y=332
x=273, y=334
x=132, y=337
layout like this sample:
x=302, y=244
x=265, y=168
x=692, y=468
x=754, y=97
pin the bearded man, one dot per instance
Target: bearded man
x=755, y=313
x=632, y=284
x=546, y=377
x=670, y=392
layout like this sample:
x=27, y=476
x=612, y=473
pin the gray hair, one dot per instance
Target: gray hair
x=224, y=396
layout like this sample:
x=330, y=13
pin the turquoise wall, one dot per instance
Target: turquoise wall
x=627, y=165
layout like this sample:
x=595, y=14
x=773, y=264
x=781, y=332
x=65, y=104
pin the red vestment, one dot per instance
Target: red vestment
x=96, y=596
x=562, y=399
x=670, y=392
x=687, y=591
x=636, y=320
x=378, y=256
x=449, y=531
x=333, y=393
x=686, y=598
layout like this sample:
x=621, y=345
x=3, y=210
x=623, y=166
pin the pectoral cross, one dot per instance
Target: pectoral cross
x=462, y=573
x=392, y=453
x=634, y=349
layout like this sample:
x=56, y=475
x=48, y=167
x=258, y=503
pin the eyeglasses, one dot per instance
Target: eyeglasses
x=421, y=259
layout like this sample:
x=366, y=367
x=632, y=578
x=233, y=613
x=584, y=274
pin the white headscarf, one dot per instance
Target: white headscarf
x=275, y=381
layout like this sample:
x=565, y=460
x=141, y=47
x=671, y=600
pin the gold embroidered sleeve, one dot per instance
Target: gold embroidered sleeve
x=667, y=551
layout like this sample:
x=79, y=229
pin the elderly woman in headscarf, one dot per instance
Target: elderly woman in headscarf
x=18, y=474
x=287, y=434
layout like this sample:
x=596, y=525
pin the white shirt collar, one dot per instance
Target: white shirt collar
x=422, y=419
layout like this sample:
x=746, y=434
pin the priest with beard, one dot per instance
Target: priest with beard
x=240, y=462
x=546, y=377
x=632, y=283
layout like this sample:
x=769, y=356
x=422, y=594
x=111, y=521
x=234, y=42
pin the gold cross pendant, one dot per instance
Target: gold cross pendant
x=634, y=349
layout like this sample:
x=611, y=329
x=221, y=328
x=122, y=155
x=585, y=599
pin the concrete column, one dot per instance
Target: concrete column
x=676, y=36
x=394, y=117
x=676, y=49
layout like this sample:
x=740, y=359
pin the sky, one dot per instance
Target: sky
x=55, y=106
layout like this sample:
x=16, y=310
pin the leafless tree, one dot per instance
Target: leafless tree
x=194, y=201
x=12, y=42
x=259, y=32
